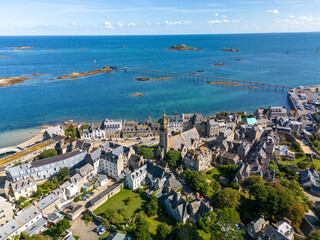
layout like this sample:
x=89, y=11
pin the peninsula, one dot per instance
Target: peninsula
x=182, y=47
x=9, y=81
x=75, y=75
x=153, y=79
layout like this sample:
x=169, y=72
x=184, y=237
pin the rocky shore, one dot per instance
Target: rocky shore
x=223, y=83
x=153, y=79
x=23, y=47
x=182, y=47
x=75, y=75
x=137, y=94
x=36, y=74
x=9, y=81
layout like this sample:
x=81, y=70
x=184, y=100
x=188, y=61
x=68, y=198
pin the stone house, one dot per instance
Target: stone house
x=198, y=159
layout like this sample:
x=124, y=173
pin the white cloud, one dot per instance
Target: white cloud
x=274, y=11
x=173, y=22
x=131, y=24
x=177, y=22
x=108, y=25
x=120, y=24
x=235, y=21
x=299, y=20
x=224, y=16
x=291, y=16
x=219, y=21
x=217, y=14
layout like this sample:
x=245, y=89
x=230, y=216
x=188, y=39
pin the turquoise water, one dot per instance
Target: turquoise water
x=285, y=59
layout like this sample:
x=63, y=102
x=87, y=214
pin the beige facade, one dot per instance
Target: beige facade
x=6, y=213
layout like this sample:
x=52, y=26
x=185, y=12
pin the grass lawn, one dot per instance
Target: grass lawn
x=118, y=201
x=154, y=221
x=204, y=235
x=213, y=174
x=104, y=236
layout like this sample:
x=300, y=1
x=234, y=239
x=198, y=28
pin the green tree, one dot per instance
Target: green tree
x=141, y=230
x=146, y=152
x=227, y=198
x=63, y=173
x=295, y=212
x=48, y=153
x=152, y=207
x=173, y=157
x=272, y=199
x=163, y=231
x=186, y=232
x=248, y=182
x=221, y=224
x=315, y=235
x=25, y=236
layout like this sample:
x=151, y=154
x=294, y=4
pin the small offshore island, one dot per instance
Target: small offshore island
x=137, y=95
x=182, y=47
x=230, y=50
x=75, y=75
x=218, y=64
x=9, y=81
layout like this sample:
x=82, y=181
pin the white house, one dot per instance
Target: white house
x=137, y=178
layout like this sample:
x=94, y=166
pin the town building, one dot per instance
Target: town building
x=6, y=213
x=45, y=168
x=281, y=230
x=112, y=127
x=255, y=227
x=228, y=158
x=22, y=188
x=10, y=229
x=199, y=159
x=31, y=221
x=48, y=204
x=137, y=178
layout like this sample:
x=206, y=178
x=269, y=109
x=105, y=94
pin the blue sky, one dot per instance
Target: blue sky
x=125, y=17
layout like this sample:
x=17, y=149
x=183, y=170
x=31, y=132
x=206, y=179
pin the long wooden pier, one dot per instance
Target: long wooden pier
x=241, y=83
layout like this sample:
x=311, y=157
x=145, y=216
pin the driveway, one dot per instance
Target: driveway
x=83, y=230
x=305, y=148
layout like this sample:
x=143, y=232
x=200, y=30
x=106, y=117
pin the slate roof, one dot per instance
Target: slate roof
x=35, y=226
x=58, y=158
x=27, y=215
x=9, y=228
x=47, y=201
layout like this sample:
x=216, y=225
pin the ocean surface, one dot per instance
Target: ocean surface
x=286, y=59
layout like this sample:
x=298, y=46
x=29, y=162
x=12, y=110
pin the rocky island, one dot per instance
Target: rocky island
x=36, y=74
x=218, y=64
x=137, y=94
x=75, y=75
x=5, y=56
x=182, y=47
x=9, y=81
x=153, y=79
x=230, y=50
x=239, y=60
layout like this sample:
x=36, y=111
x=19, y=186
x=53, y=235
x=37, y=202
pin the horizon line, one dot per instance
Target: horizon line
x=180, y=34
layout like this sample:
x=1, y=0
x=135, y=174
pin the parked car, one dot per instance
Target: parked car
x=98, y=228
x=102, y=231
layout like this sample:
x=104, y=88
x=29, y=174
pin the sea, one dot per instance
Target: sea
x=289, y=59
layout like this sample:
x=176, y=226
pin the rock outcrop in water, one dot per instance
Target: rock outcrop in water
x=182, y=47
x=218, y=64
x=144, y=79
x=9, y=81
x=75, y=75
x=230, y=50
x=137, y=95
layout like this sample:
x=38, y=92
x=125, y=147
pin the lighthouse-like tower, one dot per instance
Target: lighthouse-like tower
x=164, y=137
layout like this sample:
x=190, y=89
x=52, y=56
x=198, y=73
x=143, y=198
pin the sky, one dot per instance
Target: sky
x=151, y=17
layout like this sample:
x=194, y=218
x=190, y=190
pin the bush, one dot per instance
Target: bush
x=48, y=153
x=304, y=164
x=146, y=152
x=87, y=218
